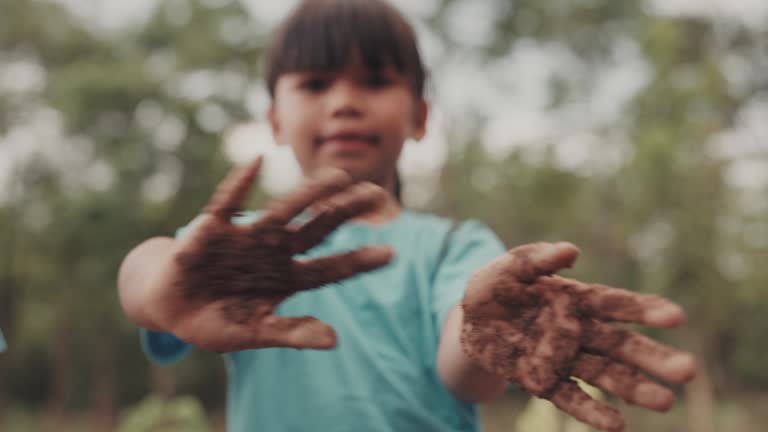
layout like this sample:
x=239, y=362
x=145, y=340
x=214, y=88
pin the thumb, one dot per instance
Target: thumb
x=527, y=262
x=295, y=332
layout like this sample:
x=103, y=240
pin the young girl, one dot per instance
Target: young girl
x=390, y=346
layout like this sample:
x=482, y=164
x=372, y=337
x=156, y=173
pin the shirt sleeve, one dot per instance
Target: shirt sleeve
x=471, y=246
x=3, y=346
x=163, y=348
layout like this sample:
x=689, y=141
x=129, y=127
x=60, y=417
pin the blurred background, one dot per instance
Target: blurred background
x=637, y=129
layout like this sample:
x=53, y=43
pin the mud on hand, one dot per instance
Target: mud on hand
x=538, y=330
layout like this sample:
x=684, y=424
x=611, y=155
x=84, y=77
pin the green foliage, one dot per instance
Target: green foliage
x=155, y=414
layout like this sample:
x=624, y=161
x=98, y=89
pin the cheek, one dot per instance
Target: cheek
x=398, y=122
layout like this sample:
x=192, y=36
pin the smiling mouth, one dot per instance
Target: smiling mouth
x=348, y=140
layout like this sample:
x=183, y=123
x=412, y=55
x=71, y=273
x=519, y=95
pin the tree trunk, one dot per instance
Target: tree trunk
x=60, y=360
x=699, y=393
x=7, y=324
x=162, y=381
x=103, y=396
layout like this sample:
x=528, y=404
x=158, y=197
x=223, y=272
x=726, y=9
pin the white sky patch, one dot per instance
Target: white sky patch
x=110, y=15
x=523, y=75
x=733, y=266
x=746, y=147
x=418, y=8
x=575, y=152
x=617, y=83
x=516, y=127
x=269, y=11
x=521, y=117
x=22, y=76
x=280, y=172
x=420, y=162
x=738, y=72
x=42, y=137
x=212, y=118
x=650, y=242
x=753, y=13
x=257, y=100
x=164, y=183
x=747, y=174
x=472, y=23
x=431, y=47
x=99, y=175
x=589, y=154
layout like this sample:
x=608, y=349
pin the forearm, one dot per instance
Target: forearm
x=460, y=375
x=140, y=268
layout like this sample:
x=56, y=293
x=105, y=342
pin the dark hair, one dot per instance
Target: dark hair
x=321, y=35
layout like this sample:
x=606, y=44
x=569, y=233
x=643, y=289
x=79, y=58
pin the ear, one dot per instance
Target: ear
x=273, y=123
x=420, y=115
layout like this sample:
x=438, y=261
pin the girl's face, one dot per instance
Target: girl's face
x=355, y=119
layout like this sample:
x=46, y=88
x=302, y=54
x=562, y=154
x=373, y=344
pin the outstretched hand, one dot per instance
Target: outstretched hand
x=224, y=281
x=537, y=330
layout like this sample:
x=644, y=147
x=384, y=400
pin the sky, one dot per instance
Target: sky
x=512, y=95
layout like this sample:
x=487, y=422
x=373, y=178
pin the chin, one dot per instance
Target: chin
x=357, y=169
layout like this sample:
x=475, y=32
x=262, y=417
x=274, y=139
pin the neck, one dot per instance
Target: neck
x=388, y=210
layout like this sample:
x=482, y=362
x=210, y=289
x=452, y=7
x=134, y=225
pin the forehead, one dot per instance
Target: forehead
x=324, y=38
x=355, y=63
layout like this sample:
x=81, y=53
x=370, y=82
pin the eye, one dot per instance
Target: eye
x=314, y=84
x=377, y=80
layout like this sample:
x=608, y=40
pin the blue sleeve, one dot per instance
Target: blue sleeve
x=163, y=348
x=3, y=346
x=472, y=246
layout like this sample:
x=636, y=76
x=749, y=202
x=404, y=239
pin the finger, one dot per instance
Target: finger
x=623, y=381
x=321, y=271
x=356, y=201
x=325, y=184
x=233, y=190
x=614, y=304
x=294, y=332
x=638, y=350
x=571, y=399
x=527, y=262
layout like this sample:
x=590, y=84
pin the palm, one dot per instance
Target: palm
x=537, y=331
x=227, y=280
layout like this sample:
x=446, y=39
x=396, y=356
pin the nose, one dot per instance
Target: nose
x=345, y=100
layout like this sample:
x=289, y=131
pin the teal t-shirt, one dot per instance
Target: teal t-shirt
x=2, y=342
x=382, y=376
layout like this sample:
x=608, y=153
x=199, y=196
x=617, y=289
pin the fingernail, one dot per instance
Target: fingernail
x=328, y=340
x=382, y=252
x=654, y=396
x=666, y=314
x=680, y=367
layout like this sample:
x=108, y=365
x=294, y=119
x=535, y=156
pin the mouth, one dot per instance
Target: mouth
x=348, y=141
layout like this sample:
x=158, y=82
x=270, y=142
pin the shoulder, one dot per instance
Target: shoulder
x=431, y=224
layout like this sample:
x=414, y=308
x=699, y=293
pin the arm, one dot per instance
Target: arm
x=459, y=373
x=143, y=264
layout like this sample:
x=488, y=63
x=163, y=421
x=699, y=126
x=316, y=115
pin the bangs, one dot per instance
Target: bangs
x=323, y=35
